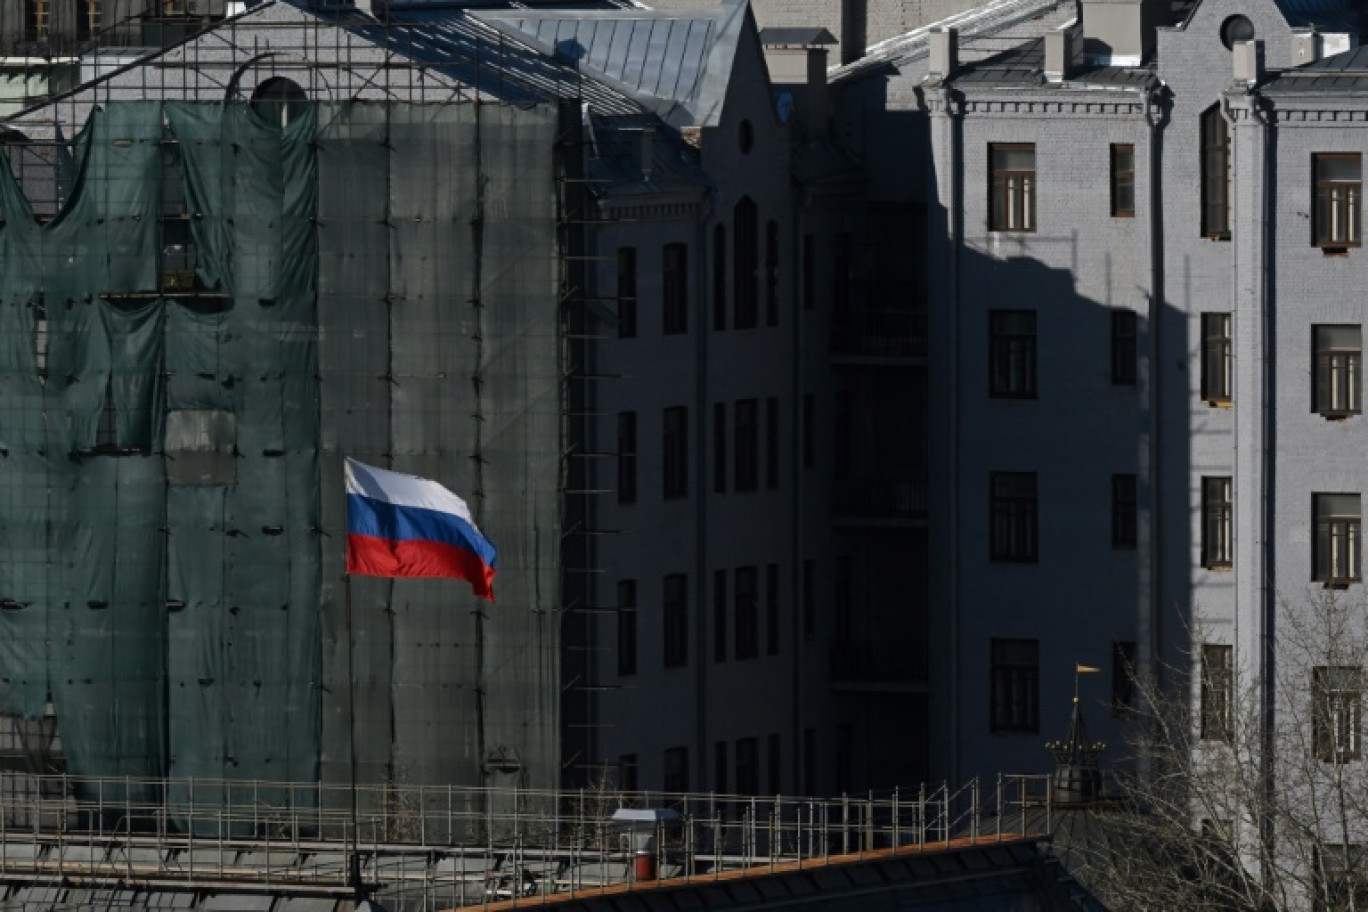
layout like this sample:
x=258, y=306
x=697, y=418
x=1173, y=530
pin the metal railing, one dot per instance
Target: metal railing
x=465, y=846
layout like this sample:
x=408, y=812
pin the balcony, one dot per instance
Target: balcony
x=898, y=502
x=879, y=337
x=882, y=667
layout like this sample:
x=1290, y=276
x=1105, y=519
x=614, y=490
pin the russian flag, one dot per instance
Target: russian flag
x=404, y=526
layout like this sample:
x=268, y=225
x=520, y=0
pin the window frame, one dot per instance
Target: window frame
x=772, y=448
x=1012, y=209
x=627, y=628
x=1014, y=687
x=1217, y=697
x=1218, y=522
x=1124, y=347
x=720, y=616
x=627, y=292
x=773, y=627
x=674, y=289
x=1336, y=372
x=674, y=438
x=1337, y=713
x=1125, y=511
x=1337, y=540
x=674, y=777
x=674, y=598
x=746, y=264
x=719, y=447
x=746, y=612
x=1218, y=358
x=1122, y=181
x=1324, y=204
x=1013, y=359
x=626, y=458
x=1214, y=145
x=746, y=445
x=1013, y=518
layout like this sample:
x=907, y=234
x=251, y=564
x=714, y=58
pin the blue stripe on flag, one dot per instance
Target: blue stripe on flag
x=376, y=518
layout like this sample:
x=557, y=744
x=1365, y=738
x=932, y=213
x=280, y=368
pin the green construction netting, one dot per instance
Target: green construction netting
x=375, y=281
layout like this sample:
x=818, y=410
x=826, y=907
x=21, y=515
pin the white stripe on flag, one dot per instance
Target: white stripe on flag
x=403, y=490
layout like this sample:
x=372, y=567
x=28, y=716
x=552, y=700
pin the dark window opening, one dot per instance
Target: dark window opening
x=627, y=292
x=675, y=289
x=627, y=627
x=1013, y=521
x=746, y=268
x=1015, y=686
x=675, y=448
x=1012, y=354
x=675, y=617
x=1215, y=175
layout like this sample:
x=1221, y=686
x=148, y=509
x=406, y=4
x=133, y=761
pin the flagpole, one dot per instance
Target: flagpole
x=354, y=856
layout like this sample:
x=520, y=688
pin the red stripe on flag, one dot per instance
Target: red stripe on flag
x=371, y=556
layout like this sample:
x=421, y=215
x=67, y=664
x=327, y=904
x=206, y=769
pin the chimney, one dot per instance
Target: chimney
x=1306, y=46
x=1248, y=56
x=1119, y=32
x=944, y=53
x=854, y=29
x=1058, y=55
x=815, y=117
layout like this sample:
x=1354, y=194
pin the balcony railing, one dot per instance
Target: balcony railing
x=901, y=497
x=880, y=333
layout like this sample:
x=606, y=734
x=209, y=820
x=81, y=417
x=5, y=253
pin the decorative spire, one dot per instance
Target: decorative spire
x=1077, y=778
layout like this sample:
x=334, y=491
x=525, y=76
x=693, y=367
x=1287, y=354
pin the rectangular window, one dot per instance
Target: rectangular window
x=627, y=458
x=1339, y=194
x=1123, y=678
x=773, y=629
x=675, y=452
x=772, y=443
x=809, y=761
x=1012, y=354
x=775, y=763
x=772, y=274
x=1218, y=512
x=720, y=447
x=719, y=277
x=1123, y=512
x=1338, y=370
x=627, y=627
x=628, y=780
x=1122, y=180
x=1218, y=692
x=748, y=766
x=809, y=272
x=676, y=770
x=719, y=615
x=1015, y=686
x=1217, y=364
x=1338, y=530
x=809, y=600
x=1342, y=878
x=627, y=292
x=675, y=289
x=747, y=613
x=675, y=620
x=1013, y=187
x=720, y=767
x=747, y=445
x=809, y=431
x=1013, y=517
x=1215, y=175
x=1123, y=351
x=1336, y=712
x=745, y=264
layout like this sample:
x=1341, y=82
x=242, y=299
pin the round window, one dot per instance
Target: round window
x=1236, y=28
x=279, y=101
x=746, y=137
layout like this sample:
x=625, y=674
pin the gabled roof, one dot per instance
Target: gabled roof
x=676, y=64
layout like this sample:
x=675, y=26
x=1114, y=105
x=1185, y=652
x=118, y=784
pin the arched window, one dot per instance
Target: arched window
x=1215, y=175
x=278, y=101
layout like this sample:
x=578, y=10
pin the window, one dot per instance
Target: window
x=675, y=616
x=1218, y=691
x=1341, y=881
x=1123, y=511
x=627, y=773
x=772, y=625
x=1123, y=678
x=809, y=600
x=747, y=613
x=1012, y=354
x=809, y=272
x=1122, y=180
x=279, y=101
x=1336, y=712
x=845, y=759
x=1013, y=520
x=1338, y=527
x=720, y=767
x=200, y=446
x=747, y=445
x=720, y=447
x=772, y=443
x=719, y=277
x=675, y=289
x=775, y=765
x=1217, y=363
x=627, y=627
x=772, y=273
x=1123, y=348
x=1013, y=189
x=842, y=438
x=675, y=448
x=627, y=292
x=1217, y=515
x=746, y=266
x=627, y=458
x=809, y=761
x=748, y=766
x=1338, y=370
x=1339, y=193
x=844, y=591
x=809, y=431
x=676, y=770
x=719, y=615
x=1016, y=686
x=1215, y=175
